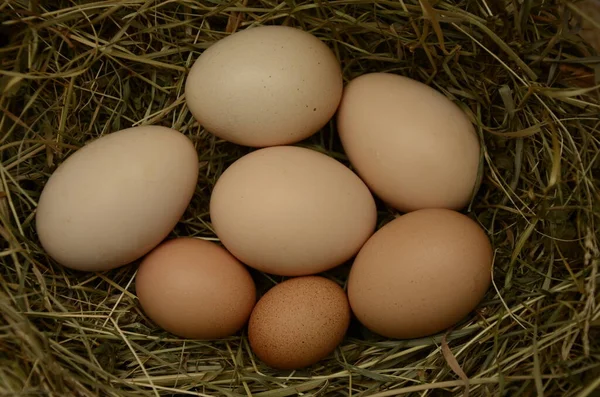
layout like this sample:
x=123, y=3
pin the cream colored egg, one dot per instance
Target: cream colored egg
x=116, y=198
x=291, y=211
x=410, y=144
x=265, y=86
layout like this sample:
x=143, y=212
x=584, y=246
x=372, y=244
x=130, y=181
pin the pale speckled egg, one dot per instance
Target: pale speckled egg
x=420, y=274
x=265, y=86
x=195, y=289
x=299, y=322
x=291, y=211
x=410, y=144
x=116, y=198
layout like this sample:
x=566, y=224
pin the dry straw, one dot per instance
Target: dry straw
x=71, y=71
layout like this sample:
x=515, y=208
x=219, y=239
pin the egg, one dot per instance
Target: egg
x=195, y=289
x=265, y=86
x=116, y=198
x=291, y=211
x=299, y=322
x=411, y=145
x=420, y=274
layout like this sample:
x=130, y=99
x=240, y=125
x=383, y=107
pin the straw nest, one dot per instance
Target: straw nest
x=522, y=71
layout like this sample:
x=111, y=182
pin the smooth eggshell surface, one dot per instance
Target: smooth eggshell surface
x=299, y=322
x=116, y=198
x=420, y=274
x=265, y=86
x=410, y=144
x=195, y=289
x=291, y=211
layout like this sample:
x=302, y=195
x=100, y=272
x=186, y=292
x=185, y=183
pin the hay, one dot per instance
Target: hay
x=72, y=71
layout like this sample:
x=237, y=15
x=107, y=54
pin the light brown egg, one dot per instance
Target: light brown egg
x=410, y=144
x=195, y=289
x=116, y=198
x=291, y=211
x=299, y=322
x=420, y=274
x=265, y=86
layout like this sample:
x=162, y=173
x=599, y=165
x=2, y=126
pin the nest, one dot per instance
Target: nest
x=73, y=71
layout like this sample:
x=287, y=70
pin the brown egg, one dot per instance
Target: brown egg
x=291, y=211
x=195, y=289
x=420, y=274
x=299, y=322
x=410, y=144
x=265, y=86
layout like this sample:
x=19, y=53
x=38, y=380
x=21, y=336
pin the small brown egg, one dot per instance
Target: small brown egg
x=291, y=211
x=299, y=322
x=265, y=86
x=117, y=198
x=195, y=289
x=411, y=145
x=420, y=274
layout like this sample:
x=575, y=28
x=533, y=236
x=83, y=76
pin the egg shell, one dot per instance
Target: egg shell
x=265, y=86
x=420, y=274
x=116, y=198
x=411, y=145
x=291, y=211
x=195, y=289
x=299, y=322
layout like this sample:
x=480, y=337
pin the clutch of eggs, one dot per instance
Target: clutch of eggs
x=285, y=210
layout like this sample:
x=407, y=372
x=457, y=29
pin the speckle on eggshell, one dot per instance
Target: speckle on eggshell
x=299, y=322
